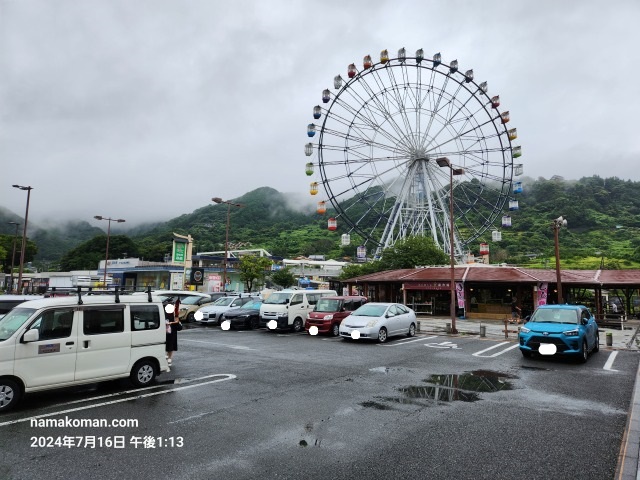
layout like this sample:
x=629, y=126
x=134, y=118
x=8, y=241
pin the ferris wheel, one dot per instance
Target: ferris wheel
x=395, y=138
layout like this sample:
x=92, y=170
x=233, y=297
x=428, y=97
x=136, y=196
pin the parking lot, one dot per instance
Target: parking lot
x=244, y=404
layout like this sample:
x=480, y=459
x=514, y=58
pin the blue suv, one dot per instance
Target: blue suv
x=560, y=330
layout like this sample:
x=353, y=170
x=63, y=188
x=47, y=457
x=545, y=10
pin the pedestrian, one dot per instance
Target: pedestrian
x=515, y=311
x=172, y=322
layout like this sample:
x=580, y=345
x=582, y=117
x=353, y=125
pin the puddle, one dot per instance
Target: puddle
x=464, y=387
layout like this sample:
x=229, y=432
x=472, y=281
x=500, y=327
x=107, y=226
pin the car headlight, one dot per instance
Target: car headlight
x=524, y=330
x=372, y=323
x=328, y=317
x=283, y=315
x=571, y=333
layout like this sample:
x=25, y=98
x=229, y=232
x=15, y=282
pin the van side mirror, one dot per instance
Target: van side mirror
x=32, y=335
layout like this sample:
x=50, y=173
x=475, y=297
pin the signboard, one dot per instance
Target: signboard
x=197, y=276
x=427, y=286
x=179, y=252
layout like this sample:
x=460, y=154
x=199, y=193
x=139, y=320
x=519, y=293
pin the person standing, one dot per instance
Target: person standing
x=172, y=321
x=515, y=311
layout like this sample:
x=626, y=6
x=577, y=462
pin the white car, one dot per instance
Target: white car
x=379, y=321
x=212, y=312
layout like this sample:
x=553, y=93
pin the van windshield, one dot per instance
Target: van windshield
x=277, y=298
x=13, y=320
x=326, y=305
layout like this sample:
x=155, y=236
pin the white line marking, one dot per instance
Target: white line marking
x=237, y=347
x=612, y=357
x=404, y=342
x=227, y=376
x=478, y=354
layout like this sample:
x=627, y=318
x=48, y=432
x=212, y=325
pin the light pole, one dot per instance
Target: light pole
x=13, y=255
x=557, y=224
x=444, y=162
x=226, y=239
x=24, y=235
x=106, y=255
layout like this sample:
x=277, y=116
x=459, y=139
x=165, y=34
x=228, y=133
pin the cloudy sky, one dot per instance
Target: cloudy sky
x=146, y=109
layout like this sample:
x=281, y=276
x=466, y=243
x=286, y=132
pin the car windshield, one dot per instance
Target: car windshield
x=254, y=304
x=191, y=300
x=369, y=310
x=13, y=320
x=224, y=301
x=327, y=305
x=277, y=298
x=555, y=315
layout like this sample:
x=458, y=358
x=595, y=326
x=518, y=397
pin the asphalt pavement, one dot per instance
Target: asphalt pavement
x=624, y=337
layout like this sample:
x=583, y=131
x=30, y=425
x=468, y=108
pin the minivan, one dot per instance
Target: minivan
x=67, y=341
x=289, y=308
x=330, y=311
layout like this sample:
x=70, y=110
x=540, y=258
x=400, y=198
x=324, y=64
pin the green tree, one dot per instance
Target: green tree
x=411, y=252
x=87, y=255
x=6, y=250
x=253, y=269
x=283, y=277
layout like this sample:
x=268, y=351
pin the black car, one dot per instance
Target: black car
x=247, y=316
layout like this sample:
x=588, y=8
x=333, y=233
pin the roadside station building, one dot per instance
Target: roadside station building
x=486, y=291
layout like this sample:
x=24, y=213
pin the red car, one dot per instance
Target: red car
x=330, y=311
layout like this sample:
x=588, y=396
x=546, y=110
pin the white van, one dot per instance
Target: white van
x=74, y=340
x=289, y=308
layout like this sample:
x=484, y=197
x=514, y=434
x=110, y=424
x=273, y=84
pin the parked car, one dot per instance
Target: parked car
x=190, y=305
x=379, y=321
x=329, y=312
x=246, y=316
x=67, y=341
x=212, y=312
x=8, y=302
x=560, y=330
x=288, y=309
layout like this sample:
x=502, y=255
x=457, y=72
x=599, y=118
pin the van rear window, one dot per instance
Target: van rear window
x=144, y=317
x=99, y=321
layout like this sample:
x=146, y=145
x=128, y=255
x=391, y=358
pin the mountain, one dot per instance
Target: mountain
x=603, y=227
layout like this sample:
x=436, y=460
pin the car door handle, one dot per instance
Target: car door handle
x=70, y=343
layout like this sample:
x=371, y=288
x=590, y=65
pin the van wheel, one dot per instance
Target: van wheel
x=10, y=394
x=297, y=325
x=143, y=373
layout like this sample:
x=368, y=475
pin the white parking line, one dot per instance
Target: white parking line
x=479, y=354
x=227, y=376
x=405, y=342
x=612, y=357
x=237, y=347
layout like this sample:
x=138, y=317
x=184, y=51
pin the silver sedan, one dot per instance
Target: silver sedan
x=379, y=321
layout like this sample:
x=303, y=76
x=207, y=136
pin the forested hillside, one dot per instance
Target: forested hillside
x=603, y=228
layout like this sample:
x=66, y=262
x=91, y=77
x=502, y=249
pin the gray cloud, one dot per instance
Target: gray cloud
x=145, y=110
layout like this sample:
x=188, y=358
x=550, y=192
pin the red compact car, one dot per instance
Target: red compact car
x=330, y=311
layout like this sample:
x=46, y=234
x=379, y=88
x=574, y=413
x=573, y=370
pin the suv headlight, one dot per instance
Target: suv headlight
x=572, y=333
x=524, y=330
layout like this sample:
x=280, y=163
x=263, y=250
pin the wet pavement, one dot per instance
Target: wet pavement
x=624, y=337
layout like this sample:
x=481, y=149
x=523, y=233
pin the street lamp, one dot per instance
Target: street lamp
x=106, y=256
x=24, y=234
x=13, y=255
x=557, y=224
x=226, y=240
x=444, y=162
